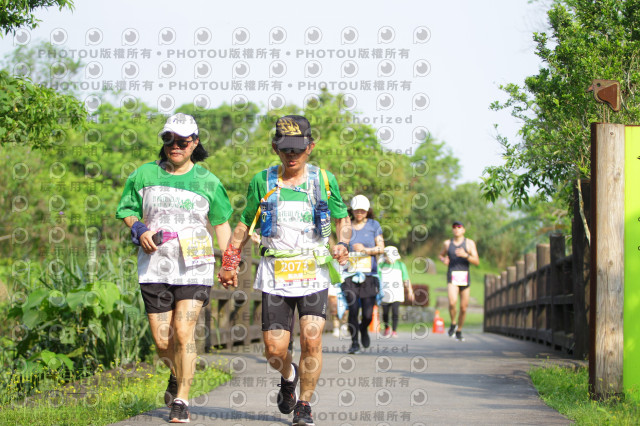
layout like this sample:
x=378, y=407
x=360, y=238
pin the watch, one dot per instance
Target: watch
x=343, y=244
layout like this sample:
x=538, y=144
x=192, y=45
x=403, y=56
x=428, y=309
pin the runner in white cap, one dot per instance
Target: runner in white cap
x=167, y=204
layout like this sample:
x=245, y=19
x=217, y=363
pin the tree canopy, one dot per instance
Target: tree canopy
x=31, y=113
x=586, y=40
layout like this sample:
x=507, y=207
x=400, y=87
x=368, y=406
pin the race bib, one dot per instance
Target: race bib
x=359, y=264
x=295, y=269
x=196, y=246
x=460, y=278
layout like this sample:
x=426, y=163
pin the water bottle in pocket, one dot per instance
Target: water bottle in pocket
x=323, y=219
x=267, y=219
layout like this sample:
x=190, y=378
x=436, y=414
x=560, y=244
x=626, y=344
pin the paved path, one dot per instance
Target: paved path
x=416, y=379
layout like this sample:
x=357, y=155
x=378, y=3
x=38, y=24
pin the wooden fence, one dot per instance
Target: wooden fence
x=545, y=297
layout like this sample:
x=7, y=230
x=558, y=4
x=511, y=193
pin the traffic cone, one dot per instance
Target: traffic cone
x=438, y=323
x=375, y=320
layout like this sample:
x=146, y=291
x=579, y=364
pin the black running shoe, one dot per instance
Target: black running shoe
x=452, y=330
x=287, y=396
x=459, y=337
x=302, y=414
x=354, y=349
x=364, y=337
x=179, y=412
x=172, y=390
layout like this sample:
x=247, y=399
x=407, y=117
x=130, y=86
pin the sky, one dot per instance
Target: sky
x=406, y=68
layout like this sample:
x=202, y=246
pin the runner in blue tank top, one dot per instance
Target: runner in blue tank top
x=458, y=253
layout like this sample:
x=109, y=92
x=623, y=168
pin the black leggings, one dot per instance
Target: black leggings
x=395, y=306
x=367, y=313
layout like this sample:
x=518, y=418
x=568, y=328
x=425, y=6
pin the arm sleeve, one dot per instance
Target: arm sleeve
x=405, y=273
x=131, y=201
x=220, y=210
x=336, y=204
x=256, y=190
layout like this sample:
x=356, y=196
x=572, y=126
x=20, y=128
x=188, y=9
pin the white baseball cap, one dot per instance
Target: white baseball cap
x=391, y=253
x=360, y=202
x=181, y=124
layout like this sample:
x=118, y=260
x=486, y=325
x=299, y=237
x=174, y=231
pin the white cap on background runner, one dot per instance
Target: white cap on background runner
x=360, y=202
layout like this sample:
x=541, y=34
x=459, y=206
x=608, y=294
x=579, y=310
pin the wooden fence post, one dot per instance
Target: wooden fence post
x=580, y=249
x=511, y=282
x=555, y=317
x=606, y=354
x=520, y=296
x=542, y=259
x=529, y=293
x=487, y=298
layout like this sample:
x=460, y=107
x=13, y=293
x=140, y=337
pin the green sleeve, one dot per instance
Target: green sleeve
x=405, y=273
x=220, y=210
x=336, y=205
x=257, y=190
x=380, y=266
x=131, y=201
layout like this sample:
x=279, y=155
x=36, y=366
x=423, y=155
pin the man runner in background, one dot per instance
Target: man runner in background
x=458, y=253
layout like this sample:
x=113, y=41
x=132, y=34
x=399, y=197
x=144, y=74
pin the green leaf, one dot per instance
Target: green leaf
x=35, y=298
x=31, y=318
x=108, y=293
x=76, y=298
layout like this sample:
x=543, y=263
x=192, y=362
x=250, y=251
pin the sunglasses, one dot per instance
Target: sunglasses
x=292, y=150
x=457, y=226
x=168, y=140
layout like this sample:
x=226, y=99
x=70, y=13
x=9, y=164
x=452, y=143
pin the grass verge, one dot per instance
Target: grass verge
x=105, y=398
x=566, y=390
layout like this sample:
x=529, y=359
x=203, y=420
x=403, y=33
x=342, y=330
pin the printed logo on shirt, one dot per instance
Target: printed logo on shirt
x=295, y=216
x=187, y=205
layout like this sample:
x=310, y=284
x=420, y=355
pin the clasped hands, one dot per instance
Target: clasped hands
x=230, y=278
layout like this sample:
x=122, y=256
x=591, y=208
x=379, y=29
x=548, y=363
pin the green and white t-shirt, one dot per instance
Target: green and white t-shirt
x=174, y=203
x=392, y=277
x=300, y=275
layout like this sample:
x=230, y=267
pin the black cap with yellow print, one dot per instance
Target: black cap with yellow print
x=292, y=131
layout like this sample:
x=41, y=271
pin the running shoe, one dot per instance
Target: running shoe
x=172, y=390
x=287, y=396
x=179, y=412
x=387, y=332
x=354, y=349
x=459, y=337
x=336, y=332
x=394, y=334
x=302, y=414
x=452, y=330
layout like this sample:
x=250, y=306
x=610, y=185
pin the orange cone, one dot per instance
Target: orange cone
x=438, y=323
x=375, y=320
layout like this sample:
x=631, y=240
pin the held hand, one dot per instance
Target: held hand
x=228, y=278
x=445, y=260
x=146, y=242
x=341, y=254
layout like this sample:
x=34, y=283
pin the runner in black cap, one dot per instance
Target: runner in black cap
x=292, y=203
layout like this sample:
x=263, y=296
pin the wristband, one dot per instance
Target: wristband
x=231, y=258
x=343, y=244
x=137, y=229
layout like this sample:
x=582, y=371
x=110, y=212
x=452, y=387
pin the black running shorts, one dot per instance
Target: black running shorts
x=277, y=311
x=160, y=298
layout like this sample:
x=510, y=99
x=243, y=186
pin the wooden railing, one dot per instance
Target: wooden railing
x=536, y=299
